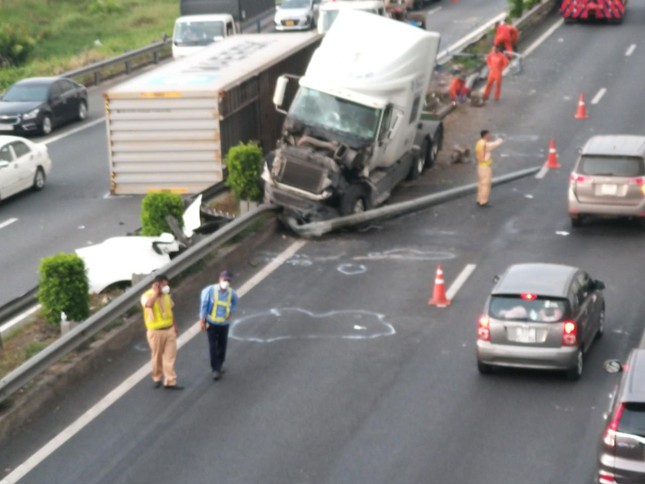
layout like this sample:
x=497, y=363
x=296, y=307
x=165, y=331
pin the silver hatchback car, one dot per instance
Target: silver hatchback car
x=608, y=179
x=541, y=316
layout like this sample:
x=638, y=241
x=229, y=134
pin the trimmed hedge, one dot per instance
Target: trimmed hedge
x=244, y=163
x=155, y=207
x=63, y=287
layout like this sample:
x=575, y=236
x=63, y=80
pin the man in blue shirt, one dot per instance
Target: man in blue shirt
x=218, y=302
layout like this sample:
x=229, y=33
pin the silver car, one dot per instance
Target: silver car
x=608, y=179
x=541, y=316
x=296, y=15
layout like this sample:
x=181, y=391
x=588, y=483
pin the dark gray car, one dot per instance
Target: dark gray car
x=622, y=447
x=541, y=316
x=38, y=104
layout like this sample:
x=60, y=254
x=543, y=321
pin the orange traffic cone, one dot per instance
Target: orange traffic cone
x=552, y=159
x=581, y=113
x=439, y=293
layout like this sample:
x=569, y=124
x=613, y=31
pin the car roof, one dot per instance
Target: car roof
x=7, y=138
x=633, y=389
x=615, y=145
x=536, y=278
x=38, y=80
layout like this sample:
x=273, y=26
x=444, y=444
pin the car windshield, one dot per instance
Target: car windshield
x=632, y=421
x=332, y=113
x=198, y=33
x=295, y=4
x=26, y=93
x=627, y=166
x=515, y=308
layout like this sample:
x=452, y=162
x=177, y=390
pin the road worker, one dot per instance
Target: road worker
x=458, y=89
x=496, y=62
x=161, y=332
x=483, y=154
x=504, y=36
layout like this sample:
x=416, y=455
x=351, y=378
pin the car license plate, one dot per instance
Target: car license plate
x=525, y=335
x=6, y=127
x=608, y=189
x=289, y=23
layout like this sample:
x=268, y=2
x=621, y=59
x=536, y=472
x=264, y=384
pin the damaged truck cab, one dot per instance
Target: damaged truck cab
x=354, y=129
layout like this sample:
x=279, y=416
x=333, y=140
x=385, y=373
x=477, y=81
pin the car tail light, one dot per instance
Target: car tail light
x=606, y=477
x=528, y=297
x=609, y=436
x=569, y=333
x=574, y=177
x=483, y=328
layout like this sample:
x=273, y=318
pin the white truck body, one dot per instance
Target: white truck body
x=328, y=11
x=353, y=130
x=170, y=128
x=193, y=32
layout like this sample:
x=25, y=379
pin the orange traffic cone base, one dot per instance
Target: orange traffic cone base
x=439, y=298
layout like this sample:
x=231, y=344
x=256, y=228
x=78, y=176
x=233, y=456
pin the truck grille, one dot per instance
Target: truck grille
x=304, y=177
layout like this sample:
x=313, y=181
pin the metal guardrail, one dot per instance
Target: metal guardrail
x=117, y=308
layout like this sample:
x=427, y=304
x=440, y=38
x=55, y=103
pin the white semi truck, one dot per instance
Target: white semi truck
x=354, y=130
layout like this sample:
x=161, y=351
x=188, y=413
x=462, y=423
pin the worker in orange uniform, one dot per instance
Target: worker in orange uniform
x=515, y=36
x=458, y=90
x=496, y=62
x=483, y=153
x=504, y=36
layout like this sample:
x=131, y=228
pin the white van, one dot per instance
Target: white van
x=193, y=32
x=328, y=11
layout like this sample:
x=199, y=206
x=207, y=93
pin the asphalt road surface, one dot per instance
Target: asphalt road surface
x=339, y=372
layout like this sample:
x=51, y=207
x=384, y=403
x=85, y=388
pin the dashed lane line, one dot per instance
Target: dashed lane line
x=630, y=50
x=543, y=171
x=461, y=279
x=596, y=99
x=66, y=434
x=7, y=222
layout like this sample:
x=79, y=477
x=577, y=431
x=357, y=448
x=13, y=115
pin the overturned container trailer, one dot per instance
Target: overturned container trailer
x=169, y=129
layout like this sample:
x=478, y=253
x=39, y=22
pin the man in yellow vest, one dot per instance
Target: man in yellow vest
x=162, y=332
x=218, y=302
x=483, y=153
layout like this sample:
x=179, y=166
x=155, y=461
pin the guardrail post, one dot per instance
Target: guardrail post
x=127, y=67
x=155, y=57
x=259, y=26
x=97, y=78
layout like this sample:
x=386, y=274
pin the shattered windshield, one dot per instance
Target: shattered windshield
x=316, y=108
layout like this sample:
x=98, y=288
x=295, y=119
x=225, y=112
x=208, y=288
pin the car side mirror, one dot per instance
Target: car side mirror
x=613, y=366
x=600, y=285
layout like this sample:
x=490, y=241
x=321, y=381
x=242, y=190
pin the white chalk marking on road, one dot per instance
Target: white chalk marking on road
x=8, y=222
x=540, y=40
x=74, y=131
x=543, y=171
x=630, y=50
x=461, y=279
x=596, y=99
x=66, y=434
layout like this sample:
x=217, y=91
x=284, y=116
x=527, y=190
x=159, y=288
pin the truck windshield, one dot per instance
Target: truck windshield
x=295, y=4
x=198, y=33
x=332, y=113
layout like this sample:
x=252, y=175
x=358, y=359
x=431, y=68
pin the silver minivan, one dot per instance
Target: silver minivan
x=608, y=179
x=540, y=316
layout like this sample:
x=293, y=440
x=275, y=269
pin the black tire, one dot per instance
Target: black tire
x=484, y=369
x=419, y=164
x=355, y=200
x=46, y=125
x=39, y=180
x=575, y=373
x=82, y=111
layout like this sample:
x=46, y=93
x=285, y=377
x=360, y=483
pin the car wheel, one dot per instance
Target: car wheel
x=82, y=111
x=39, y=180
x=419, y=164
x=484, y=369
x=575, y=373
x=601, y=323
x=355, y=200
x=46, y=125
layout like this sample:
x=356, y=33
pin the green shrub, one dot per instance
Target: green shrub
x=244, y=163
x=64, y=287
x=105, y=7
x=15, y=47
x=155, y=207
x=516, y=8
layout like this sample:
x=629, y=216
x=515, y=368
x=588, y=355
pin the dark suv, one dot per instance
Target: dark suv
x=622, y=449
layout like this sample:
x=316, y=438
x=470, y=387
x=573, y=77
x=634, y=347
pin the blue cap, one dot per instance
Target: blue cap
x=226, y=275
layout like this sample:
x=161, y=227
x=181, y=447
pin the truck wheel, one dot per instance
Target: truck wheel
x=419, y=164
x=355, y=200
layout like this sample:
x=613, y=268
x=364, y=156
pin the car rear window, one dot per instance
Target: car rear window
x=632, y=421
x=611, y=166
x=516, y=308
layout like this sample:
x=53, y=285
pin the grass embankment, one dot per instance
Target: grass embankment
x=74, y=33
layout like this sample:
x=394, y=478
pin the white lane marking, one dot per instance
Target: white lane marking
x=21, y=318
x=8, y=222
x=434, y=10
x=543, y=171
x=543, y=37
x=630, y=50
x=596, y=99
x=105, y=403
x=74, y=131
x=461, y=279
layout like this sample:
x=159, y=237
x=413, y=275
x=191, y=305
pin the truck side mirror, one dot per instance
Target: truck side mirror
x=280, y=90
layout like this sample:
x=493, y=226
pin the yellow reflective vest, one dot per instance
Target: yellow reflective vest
x=480, y=153
x=156, y=317
x=217, y=302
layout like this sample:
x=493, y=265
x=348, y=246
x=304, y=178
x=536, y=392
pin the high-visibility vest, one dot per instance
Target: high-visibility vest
x=217, y=302
x=480, y=153
x=154, y=317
